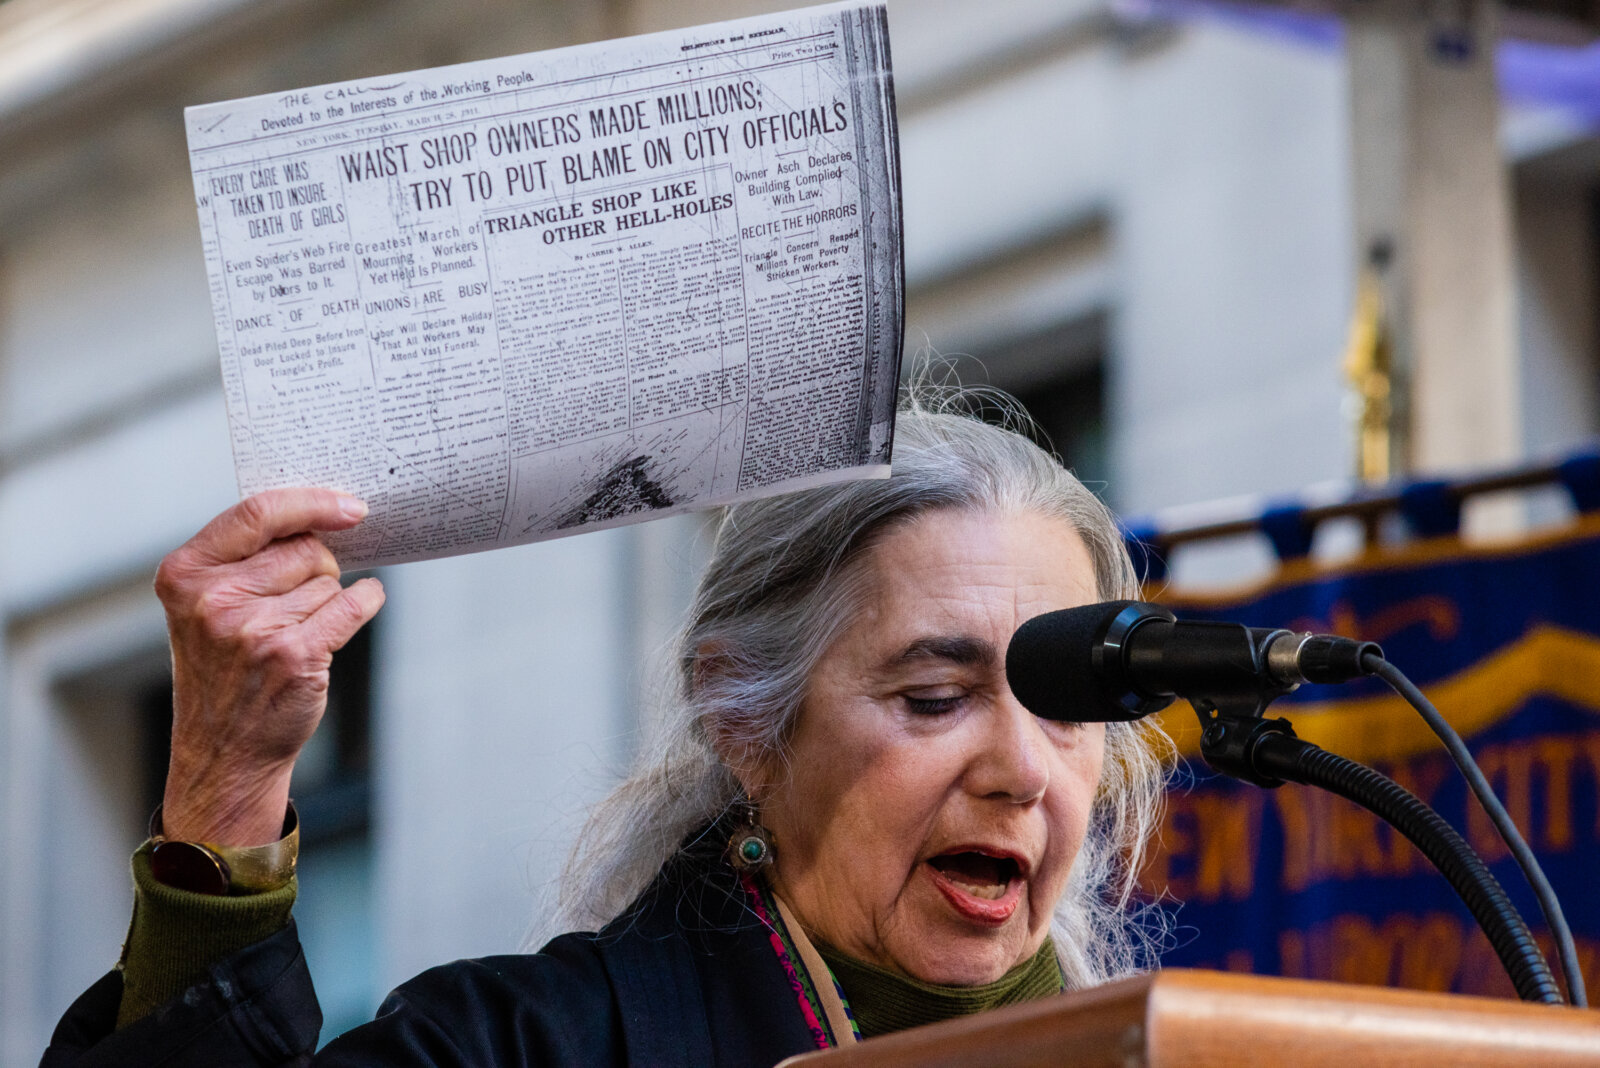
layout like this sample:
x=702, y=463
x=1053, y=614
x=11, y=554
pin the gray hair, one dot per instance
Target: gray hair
x=782, y=585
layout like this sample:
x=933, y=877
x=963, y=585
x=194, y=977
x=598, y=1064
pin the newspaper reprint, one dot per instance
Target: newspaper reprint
x=519, y=298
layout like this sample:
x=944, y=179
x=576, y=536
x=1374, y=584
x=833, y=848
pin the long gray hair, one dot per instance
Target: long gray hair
x=783, y=584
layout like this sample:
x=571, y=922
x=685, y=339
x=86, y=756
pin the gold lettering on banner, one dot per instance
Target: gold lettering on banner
x=1430, y=952
x=1556, y=756
x=1591, y=749
x=1435, y=951
x=1219, y=835
x=1327, y=837
x=1533, y=777
x=1423, y=778
x=1229, y=829
x=1360, y=949
x=1509, y=769
x=1292, y=962
x=1421, y=953
x=1355, y=836
x=1299, y=839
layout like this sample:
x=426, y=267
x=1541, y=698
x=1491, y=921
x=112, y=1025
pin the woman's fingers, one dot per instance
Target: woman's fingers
x=282, y=566
x=330, y=632
x=295, y=606
x=256, y=522
x=337, y=621
x=208, y=570
x=223, y=604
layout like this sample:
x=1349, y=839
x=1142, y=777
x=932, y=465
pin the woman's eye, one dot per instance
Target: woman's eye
x=933, y=705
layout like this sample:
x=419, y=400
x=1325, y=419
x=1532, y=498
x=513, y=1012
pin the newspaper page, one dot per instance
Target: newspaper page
x=519, y=298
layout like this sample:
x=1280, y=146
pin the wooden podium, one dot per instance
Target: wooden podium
x=1197, y=1018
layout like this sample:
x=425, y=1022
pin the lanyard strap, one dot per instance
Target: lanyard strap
x=817, y=993
x=834, y=1005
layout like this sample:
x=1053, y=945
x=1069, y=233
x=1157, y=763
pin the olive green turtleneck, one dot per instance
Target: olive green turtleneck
x=882, y=1001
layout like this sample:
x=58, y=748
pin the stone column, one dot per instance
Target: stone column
x=1433, y=219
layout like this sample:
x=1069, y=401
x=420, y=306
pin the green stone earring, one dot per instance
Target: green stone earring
x=750, y=845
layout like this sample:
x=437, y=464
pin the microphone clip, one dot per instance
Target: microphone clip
x=1231, y=744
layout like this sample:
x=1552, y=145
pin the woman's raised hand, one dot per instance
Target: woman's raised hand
x=255, y=612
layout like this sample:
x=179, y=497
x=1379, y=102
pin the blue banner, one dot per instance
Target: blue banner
x=1298, y=882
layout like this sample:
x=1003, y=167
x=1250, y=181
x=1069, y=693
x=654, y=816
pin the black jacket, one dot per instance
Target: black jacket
x=686, y=977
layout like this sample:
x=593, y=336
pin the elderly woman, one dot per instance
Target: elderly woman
x=850, y=827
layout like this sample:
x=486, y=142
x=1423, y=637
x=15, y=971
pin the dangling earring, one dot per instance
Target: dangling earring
x=750, y=844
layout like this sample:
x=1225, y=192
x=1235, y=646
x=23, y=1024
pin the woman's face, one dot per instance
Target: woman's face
x=926, y=821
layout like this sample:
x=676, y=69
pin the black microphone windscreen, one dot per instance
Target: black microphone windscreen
x=1050, y=666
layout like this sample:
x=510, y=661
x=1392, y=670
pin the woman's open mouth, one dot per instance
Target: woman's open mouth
x=981, y=887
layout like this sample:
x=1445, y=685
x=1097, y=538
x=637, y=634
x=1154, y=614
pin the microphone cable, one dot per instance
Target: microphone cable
x=1566, y=949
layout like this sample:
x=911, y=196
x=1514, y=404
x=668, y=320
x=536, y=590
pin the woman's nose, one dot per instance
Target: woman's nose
x=1011, y=763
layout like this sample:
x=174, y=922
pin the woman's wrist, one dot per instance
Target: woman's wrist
x=230, y=812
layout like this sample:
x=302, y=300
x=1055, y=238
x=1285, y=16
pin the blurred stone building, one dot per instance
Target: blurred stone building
x=1142, y=227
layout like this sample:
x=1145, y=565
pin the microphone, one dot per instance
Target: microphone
x=1122, y=660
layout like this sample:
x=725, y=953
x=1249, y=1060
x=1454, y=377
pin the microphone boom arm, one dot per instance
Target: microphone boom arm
x=1267, y=753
